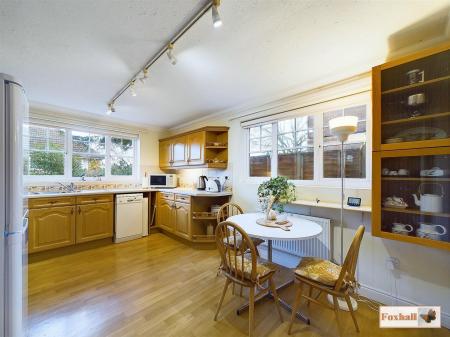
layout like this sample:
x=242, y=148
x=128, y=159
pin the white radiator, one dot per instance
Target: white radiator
x=317, y=247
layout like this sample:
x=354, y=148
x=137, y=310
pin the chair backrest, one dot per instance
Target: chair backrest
x=233, y=243
x=227, y=210
x=349, y=267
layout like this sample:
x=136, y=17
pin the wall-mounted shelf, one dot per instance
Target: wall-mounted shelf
x=417, y=119
x=435, y=179
x=414, y=211
x=416, y=85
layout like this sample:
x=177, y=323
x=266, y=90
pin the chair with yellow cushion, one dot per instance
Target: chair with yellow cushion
x=241, y=266
x=330, y=278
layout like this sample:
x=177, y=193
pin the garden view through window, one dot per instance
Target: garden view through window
x=50, y=151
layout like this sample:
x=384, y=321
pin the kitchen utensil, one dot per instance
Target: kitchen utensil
x=401, y=227
x=201, y=183
x=394, y=202
x=433, y=172
x=403, y=172
x=430, y=202
x=416, y=99
x=415, y=76
x=432, y=228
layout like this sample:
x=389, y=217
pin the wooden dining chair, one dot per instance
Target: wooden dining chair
x=230, y=209
x=241, y=266
x=330, y=278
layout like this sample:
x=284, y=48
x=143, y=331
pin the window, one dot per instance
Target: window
x=50, y=152
x=260, y=150
x=302, y=148
x=122, y=156
x=44, y=150
x=354, y=148
x=296, y=148
x=88, y=154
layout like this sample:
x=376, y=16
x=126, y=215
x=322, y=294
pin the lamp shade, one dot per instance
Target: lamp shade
x=344, y=126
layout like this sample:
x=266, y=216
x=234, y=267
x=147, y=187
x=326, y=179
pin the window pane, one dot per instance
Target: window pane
x=304, y=138
x=80, y=136
x=327, y=116
x=122, y=147
x=84, y=142
x=255, y=145
x=80, y=147
x=266, y=130
x=296, y=164
x=56, y=139
x=97, y=144
x=41, y=163
x=304, y=122
x=260, y=165
x=286, y=141
x=355, y=161
x=287, y=125
x=121, y=166
x=255, y=132
x=88, y=165
x=266, y=144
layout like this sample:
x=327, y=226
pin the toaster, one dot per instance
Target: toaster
x=213, y=185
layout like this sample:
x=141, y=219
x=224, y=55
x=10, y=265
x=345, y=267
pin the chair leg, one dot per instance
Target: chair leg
x=225, y=288
x=276, y=298
x=352, y=312
x=298, y=297
x=336, y=311
x=251, y=312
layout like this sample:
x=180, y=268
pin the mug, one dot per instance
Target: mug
x=401, y=227
x=432, y=228
x=416, y=99
x=415, y=76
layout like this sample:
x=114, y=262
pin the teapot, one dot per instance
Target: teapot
x=430, y=202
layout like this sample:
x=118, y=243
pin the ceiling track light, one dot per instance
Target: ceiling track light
x=143, y=79
x=132, y=88
x=217, y=21
x=110, y=109
x=168, y=49
x=170, y=54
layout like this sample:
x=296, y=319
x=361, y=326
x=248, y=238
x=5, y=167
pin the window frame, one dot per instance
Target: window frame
x=68, y=154
x=317, y=112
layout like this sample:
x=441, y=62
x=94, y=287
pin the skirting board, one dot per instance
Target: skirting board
x=385, y=298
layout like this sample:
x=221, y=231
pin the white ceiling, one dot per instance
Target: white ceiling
x=77, y=54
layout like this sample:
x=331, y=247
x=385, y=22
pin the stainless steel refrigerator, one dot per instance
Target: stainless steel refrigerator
x=13, y=210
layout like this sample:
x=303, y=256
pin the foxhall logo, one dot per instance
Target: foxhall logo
x=410, y=317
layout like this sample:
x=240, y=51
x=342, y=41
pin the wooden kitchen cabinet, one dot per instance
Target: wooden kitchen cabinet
x=183, y=219
x=165, y=153
x=179, y=153
x=165, y=215
x=94, y=222
x=51, y=227
x=196, y=148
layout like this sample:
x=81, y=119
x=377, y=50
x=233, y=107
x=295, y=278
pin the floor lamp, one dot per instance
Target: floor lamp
x=342, y=127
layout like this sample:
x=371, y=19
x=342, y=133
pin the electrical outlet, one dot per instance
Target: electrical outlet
x=392, y=263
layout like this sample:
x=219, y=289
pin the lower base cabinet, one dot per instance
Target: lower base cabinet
x=94, y=222
x=50, y=228
x=66, y=221
x=182, y=219
x=174, y=216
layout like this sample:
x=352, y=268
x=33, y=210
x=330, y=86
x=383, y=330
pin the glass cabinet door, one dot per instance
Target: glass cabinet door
x=415, y=193
x=415, y=102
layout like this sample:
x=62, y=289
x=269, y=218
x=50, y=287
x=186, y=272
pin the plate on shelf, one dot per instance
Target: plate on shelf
x=421, y=133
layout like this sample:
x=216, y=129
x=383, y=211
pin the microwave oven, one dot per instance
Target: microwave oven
x=163, y=180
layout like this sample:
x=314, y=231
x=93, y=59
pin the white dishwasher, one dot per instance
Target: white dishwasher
x=128, y=217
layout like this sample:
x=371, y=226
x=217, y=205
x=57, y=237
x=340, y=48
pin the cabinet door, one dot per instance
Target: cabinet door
x=196, y=148
x=165, y=215
x=51, y=227
x=179, y=153
x=182, y=220
x=94, y=221
x=165, y=153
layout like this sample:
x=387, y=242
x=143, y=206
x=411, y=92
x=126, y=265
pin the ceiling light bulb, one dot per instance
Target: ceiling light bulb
x=217, y=21
x=170, y=54
x=132, y=89
x=143, y=79
x=110, y=109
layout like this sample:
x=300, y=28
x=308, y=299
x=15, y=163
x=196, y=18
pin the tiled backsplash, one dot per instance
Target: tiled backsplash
x=188, y=178
x=87, y=185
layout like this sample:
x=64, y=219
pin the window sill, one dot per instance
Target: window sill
x=323, y=204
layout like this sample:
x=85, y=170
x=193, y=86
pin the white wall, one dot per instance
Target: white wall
x=423, y=277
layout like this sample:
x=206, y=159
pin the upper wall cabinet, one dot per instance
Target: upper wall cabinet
x=411, y=101
x=205, y=147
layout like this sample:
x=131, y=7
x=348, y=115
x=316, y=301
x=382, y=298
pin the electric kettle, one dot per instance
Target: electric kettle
x=201, y=183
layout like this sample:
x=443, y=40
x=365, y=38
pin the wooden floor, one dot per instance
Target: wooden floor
x=157, y=286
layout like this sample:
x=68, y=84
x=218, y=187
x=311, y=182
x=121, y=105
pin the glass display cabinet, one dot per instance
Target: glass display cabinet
x=411, y=149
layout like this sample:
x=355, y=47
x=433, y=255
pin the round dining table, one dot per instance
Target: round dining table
x=301, y=229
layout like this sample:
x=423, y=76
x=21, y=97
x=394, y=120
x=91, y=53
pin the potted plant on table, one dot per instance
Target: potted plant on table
x=282, y=191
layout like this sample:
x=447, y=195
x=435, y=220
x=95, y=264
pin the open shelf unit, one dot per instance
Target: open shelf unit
x=411, y=132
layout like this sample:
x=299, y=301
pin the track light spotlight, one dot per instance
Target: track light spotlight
x=170, y=54
x=110, y=109
x=217, y=21
x=132, y=89
x=143, y=79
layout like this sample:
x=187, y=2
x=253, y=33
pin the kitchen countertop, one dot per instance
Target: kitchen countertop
x=184, y=191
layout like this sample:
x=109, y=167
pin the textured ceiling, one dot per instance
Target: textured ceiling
x=77, y=54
